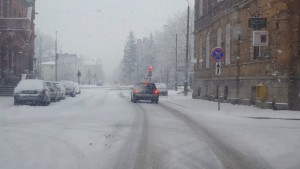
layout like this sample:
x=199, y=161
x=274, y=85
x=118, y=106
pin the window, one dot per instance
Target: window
x=207, y=50
x=228, y=44
x=256, y=52
x=200, y=8
x=219, y=37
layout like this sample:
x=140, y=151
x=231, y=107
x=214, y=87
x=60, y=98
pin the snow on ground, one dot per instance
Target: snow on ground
x=101, y=128
x=272, y=135
x=81, y=132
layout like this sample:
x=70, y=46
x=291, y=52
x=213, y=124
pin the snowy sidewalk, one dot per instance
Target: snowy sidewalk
x=210, y=107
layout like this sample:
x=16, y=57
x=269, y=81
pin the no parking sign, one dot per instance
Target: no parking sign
x=217, y=54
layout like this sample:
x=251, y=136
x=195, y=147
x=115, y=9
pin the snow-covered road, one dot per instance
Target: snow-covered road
x=102, y=129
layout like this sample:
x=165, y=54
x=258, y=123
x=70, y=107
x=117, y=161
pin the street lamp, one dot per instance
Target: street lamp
x=176, y=53
x=187, y=50
x=56, y=56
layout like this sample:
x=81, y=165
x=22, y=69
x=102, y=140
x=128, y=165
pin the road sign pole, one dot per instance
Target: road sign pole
x=218, y=73
x=218, y=54
x=219, y=106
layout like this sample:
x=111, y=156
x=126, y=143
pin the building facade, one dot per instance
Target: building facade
x=16, y=39
x=67, y=67
x=261, y=40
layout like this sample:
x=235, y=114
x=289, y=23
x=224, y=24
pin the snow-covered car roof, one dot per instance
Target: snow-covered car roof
x=160, y=85
x=30, y=84
x=67, y=83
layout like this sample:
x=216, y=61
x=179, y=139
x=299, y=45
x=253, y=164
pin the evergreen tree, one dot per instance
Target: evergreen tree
x=129, y=68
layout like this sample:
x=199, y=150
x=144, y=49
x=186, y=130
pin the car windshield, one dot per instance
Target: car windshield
x=149, y=84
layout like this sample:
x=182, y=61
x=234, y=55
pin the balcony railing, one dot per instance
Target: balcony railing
x=218, y=9
x=14, y=24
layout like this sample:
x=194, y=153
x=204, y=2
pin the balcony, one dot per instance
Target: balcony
x=14, y=24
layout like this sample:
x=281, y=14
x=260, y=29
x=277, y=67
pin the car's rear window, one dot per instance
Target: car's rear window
x=146, y=86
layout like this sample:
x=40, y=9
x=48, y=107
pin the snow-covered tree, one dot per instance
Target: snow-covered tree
x=130, y=66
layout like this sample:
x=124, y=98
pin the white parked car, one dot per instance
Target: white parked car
x=70, y=88
x=77, y=88
x=32, y=91
x=61, y=90
x=162, y=88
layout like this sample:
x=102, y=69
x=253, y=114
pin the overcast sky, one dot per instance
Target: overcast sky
x=99, y=28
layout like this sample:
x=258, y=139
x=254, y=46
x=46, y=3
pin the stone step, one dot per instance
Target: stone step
x=7, y=90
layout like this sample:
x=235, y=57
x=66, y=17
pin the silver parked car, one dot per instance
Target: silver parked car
x=32, y=91
x=70, y=88
x=162, y=88
x=54, y=91
x=61, y=90
x=77, y=88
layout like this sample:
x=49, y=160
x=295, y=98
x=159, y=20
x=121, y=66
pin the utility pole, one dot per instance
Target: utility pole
x=56, y=56
x=187, y=52
x=176, y=53
x=39, y=68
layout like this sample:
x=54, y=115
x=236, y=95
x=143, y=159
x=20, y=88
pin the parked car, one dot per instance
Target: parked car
x=77, y=88
x=145, y=91
x=32, y=91
x=54, y=91
x=70, y=88
x=61, y=90
x=99, y=83
x=162, y=88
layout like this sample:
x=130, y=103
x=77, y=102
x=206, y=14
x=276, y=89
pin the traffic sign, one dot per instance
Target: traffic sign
x=218, y=68
x=217, y=54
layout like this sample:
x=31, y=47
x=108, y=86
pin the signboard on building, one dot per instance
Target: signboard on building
x=257, y=23
x=260, y=38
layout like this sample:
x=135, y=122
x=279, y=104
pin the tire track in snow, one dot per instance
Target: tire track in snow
x=230, y=157
x=134, y=151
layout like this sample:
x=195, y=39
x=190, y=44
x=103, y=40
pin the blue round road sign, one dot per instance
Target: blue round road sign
x=217, y=54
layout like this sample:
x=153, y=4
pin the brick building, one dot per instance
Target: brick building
x=16, y=39
x=266, y=75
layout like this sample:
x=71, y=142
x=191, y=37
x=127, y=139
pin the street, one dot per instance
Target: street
x=102, y=129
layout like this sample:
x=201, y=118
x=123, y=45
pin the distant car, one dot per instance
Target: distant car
x=70, y=88
x=32, y=91
x=162, y=88
x=100, y=83
x=145, y=91
x=77, y=88
x=54, y=91
x=61, y=90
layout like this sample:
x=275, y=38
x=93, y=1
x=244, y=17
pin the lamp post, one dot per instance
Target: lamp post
x=56, y=56
x=176, y=55
x=187, y=51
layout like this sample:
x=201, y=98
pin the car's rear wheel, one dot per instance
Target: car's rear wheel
x=135, y=100
x=16, y=102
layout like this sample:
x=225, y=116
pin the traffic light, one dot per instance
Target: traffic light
x=150, y=70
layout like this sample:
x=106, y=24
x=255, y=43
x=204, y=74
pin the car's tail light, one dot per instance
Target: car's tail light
x=156, y=92
x=136, y=91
